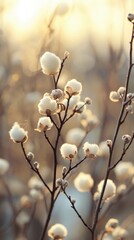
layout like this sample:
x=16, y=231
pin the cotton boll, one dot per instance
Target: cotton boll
x=80, y=107
x=35, y=182
x=75, y=136
x=73, y=87
x=72, y=102
x=47, y=106
x=124, y=171
x=50, y=63
x=90, y=150
x=18, y=134
x=36, y=194
x=83, y=182
x=4, y=166
x=44, y=124
x=103, y=149
x=111, y=225
x=110, y=189
x=114, y=96
x=57, y=231
x=22, y=218
x=68, y=151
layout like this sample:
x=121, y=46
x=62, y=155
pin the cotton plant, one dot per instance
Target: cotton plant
x=55, y=109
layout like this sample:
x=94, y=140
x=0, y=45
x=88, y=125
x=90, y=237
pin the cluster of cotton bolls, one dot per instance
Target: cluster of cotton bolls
x=113, y=231
x=63, y=104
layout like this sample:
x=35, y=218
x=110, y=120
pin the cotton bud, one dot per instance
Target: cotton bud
x=103, y=149
x=121, y=189
x=36, y=165
x=88, y=101
x=68, y=151
x=59, y=182
x=73, y=87
x=121, y=90
x=90, y=150
x=124, y=171
x=57, y=231
x=66, y=54
x=130, y=108
x=120, y=233
x=75, y=136
x=111, y=225
x=130, y=17
x=62, y=8
x=4, y=166
x=47, y=106
x=64, y=170
x=130, y=95
x=57, y=94
x=73, y=201
x=25, y=201
x=109, y=143
x=114, y=96
x=36, y=194
x=126, y=138
x=22, y=219
x=110, y=189
x=80, y=107
x=30, y=156
x=18, y=134
x=50, y=63
x=83, y=182
x=44, y=124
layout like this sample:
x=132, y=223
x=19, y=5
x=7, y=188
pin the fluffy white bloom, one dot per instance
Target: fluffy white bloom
x=50, y=63
x=121, y=90
x=35, y=182
x=36, y=194
x=57, y=94
x=18, y=134
x=73, y=87
x=103, y=149
x=83, y=182
x=4, y=166
x=68, y=151
x=47, y=106
x=90, y=150
x=44, y=124
x=73, y=101
x=114, y=96
x=75, y=136
x=57, y=231
x=120, y=233
x=124, y=171
x=111, y=225
x=110, y=189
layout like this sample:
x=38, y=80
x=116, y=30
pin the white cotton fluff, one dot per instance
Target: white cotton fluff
x=18, y=134
x=57, y=231
x=90, y=150
x=110, y=189
x=50, y=63
x=47, y=106
x=75, y=136
x=83, y=182
x=44, y=124
x=73, y=87
x=114, y=96
x=68, y=151
x=124, y=171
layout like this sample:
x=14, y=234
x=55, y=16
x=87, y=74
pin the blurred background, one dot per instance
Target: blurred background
x=96, y=34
